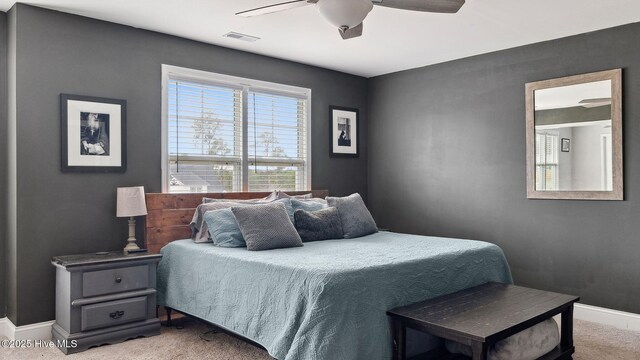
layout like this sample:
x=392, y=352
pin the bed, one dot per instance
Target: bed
x=325, y=300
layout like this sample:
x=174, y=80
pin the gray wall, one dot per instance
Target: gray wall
x=3, y=160
x=447, y=158
x=11, y=223
x=587, y=157
x=74, y=213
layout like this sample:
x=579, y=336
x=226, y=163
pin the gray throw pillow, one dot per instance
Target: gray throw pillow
x=321, y=224
x=271, y=197
x=308, y=204
x=284, y=195
x=354, y=215
x=266, y=226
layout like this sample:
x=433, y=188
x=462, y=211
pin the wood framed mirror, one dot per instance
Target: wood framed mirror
x=574, y=137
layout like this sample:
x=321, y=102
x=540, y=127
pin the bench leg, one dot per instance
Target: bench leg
x=480, y=351
x=399, y=340
x=566, y=336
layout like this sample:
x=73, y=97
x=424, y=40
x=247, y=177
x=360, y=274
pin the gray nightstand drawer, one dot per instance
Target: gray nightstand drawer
x=115, y=280
x=113, y=313
x=104, y=298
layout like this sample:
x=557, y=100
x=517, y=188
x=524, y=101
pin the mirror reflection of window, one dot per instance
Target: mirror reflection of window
x=547, y=172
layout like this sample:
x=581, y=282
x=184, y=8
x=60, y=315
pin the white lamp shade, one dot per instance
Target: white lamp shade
x=344, y=12
x=131, y=202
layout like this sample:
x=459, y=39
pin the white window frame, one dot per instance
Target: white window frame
x=176, y=72
x=555, y=164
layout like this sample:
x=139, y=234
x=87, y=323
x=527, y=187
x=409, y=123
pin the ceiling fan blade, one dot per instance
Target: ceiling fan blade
x=351, y=33
x=276, y=7
x=591, y=103
x=437, y=6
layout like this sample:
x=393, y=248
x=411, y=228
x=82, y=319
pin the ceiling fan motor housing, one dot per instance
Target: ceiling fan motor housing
x=341, y=13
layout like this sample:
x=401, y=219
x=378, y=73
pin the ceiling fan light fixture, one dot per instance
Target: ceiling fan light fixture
x=340, y=13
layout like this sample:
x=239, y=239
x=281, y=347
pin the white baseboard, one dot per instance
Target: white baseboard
x=38, y=331
x=615, y=318
x=4, y=327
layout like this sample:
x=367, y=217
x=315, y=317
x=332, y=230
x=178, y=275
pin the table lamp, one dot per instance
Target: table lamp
x=131, y=203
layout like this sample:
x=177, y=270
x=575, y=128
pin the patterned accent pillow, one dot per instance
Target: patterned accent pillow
x=323, y=224
x=223, y=228
x=266, y=226
x=354, y=215
x=308, y=204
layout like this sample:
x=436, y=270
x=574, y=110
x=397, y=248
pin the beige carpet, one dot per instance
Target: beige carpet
x=592, y=341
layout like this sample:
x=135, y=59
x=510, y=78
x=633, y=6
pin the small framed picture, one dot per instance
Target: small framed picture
x=93, y=134
x=344, y=131
x=566, y=145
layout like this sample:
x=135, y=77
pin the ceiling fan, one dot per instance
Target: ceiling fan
x=347, y=15
x=591, y=103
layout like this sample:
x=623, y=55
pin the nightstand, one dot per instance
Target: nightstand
x=104, y=299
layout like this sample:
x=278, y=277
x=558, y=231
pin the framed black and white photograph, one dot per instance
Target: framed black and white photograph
x=344, y=131
x=93, y=134
x=566, y=145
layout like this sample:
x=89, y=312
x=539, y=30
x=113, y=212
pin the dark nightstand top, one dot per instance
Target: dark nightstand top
x=94, y=258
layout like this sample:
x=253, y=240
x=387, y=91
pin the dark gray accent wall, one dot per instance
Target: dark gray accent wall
x=3, y=161
x=447, y=158
x=75, y=213
x=11, y=198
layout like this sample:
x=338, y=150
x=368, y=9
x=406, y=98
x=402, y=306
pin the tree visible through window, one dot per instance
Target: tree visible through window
x=229, y=136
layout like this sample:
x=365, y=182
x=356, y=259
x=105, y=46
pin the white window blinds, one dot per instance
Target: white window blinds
x=547, y=145
x=224, y=134
x=277, y=144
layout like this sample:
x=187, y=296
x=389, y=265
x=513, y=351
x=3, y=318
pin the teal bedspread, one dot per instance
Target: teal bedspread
x=326, y=300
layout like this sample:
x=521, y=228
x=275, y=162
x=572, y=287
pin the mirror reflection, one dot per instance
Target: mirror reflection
x=573, y=143
x=574, y=137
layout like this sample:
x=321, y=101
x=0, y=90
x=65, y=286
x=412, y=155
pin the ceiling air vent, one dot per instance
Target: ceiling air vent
x=243, y=37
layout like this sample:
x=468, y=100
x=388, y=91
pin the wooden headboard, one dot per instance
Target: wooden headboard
x=169, y=215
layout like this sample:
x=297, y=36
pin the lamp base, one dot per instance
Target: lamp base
x=131, y=241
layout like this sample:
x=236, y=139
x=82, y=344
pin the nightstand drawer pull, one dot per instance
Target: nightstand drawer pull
x=112, y=313
x=116, y=314
x=116, y=280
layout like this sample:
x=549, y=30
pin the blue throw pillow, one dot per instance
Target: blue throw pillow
x=223, y=228
x=307, y=205
x=288, y=206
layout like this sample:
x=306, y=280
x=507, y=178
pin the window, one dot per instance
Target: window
x=547, y=145
x=222, y=133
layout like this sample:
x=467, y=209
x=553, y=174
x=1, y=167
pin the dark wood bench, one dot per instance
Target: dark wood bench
x=483, y=315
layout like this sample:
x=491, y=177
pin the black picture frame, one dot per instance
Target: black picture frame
x=566, y=145
x=93, y=134
x=338, y=145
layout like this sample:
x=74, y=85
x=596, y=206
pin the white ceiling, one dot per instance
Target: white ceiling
x=569, y=96
x=393, y=40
